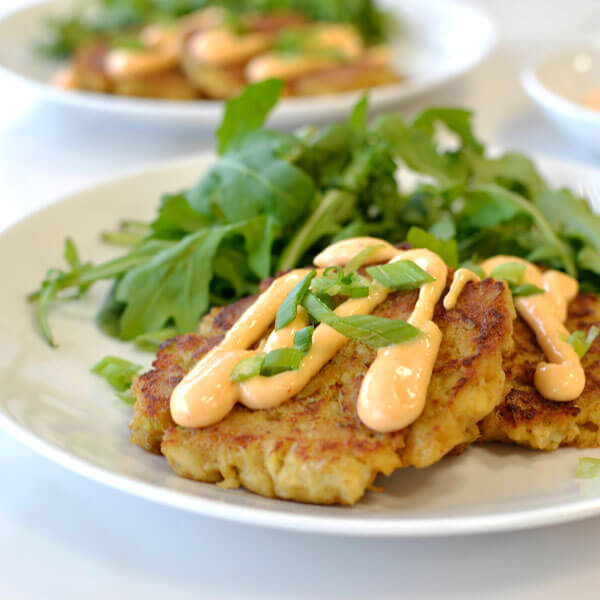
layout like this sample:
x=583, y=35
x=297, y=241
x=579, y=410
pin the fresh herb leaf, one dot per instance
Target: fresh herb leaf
x=358, y=116
x=47, y=296
x=289, y=307
x=281, y=360
x=303, y=339
x=151, y=341
x=587, y=468
x=447, y=250
x=247, y=112
x=512, y=272
x=400, y=275
x=361, y=258
x=248, y=368
x=582, y=341
x=525, y=289
x=119, y=373
x=255, y=177
x=474, y=267
x=368, y=329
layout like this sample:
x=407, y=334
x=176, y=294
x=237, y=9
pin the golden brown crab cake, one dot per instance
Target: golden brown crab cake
x=88, y=67
x=152, y=389
x=527, y=419
x=168, y=85
x=314, y=448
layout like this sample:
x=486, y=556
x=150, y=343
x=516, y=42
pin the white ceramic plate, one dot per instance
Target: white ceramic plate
x=51, y=402
x=560, y=80
x=443, y=38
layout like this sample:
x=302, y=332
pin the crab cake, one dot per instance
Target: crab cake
x=527, y=419
x=313, y=448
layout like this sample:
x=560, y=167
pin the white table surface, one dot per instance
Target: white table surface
x=62, y=536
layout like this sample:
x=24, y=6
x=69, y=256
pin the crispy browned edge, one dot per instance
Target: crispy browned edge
x=527, y=419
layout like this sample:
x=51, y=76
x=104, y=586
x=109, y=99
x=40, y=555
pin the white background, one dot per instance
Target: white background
x=62, y=536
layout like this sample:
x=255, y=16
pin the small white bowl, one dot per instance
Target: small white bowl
x=560, y=81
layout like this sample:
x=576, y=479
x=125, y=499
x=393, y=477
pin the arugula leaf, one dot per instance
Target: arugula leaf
x=589, y=260
x=415, y=146
x=443, y=229
x=253, y=178
x=457, y=120
x=447, y=250
x=512, y=272
x=174, y=284
x=119, y=373
x=177, y=218
x=491, y=204
x=303, y=339
x=288, y=309
x=358, y=116
x=400, y=275
x=368, y=329
x=472, y=266
x=247, y=112
x=525, y=289
x=582, y=341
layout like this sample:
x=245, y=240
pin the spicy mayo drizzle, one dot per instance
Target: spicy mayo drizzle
x=394, y=390
x=562, y=378
x=207, y=394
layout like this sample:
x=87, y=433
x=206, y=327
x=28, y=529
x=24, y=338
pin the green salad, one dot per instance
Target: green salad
x=111, y=18
x=272, y=201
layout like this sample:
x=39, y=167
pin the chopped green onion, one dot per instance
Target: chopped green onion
x=71, y=254
x=400, y=275
x=247, y=368
x=119, y=373
x=337, y=270
x=512, y=272
x=525, y=289
x=303, y=339
x=360, y=259
x=352, y=285
x=368, y=329
x=587, y=468
x=150, y=342
x=289, y=307
x=582, y=341
x=281, y=360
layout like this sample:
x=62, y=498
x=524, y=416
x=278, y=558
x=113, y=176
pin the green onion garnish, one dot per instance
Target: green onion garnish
x=289, y=307
x=400, y=275
x=248, y=368
x=582, y=341
x=119, y=373
x=368, y=329
x=303, y=339
x=587, y=468
x=361, y=258
x=281, y=360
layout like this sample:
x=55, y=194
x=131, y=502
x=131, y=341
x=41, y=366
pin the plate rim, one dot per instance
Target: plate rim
x=349, y=526
x=207, y=112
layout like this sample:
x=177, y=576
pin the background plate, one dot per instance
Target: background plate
x=440, y=40
x=50, y=401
